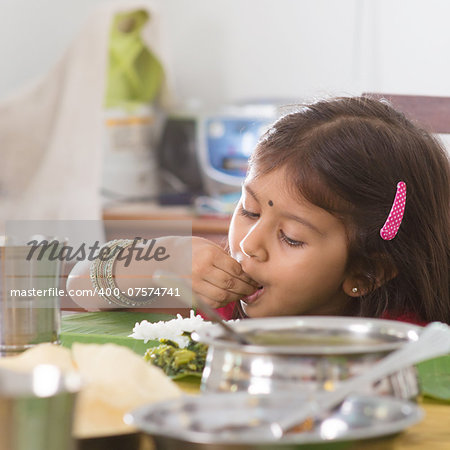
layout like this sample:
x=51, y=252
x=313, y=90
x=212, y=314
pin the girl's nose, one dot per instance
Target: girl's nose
x=253, y=244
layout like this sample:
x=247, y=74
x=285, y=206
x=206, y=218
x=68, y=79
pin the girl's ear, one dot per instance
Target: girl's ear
x=362, y=282
x=355, y=286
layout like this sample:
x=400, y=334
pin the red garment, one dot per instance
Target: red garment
x=226, y=312
x=408, y=317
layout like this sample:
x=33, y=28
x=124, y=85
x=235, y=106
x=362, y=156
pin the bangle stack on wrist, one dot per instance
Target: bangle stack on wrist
x=102, y=274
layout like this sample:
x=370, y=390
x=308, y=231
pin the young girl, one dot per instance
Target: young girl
x=344, y=211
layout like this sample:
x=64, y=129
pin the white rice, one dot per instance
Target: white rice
x=171, y=329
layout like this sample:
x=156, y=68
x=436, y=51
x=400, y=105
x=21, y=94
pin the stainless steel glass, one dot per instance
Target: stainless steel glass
x=306, y=354
x=37, y=408
x=29, y=297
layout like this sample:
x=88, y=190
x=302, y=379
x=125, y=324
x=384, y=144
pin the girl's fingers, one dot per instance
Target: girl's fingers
x=234, y=269
x=216, y=276
x=225, y=281
x=212, y=303
x=214, y=296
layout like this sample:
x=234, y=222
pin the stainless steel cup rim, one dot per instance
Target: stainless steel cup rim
x=44, y=380
x=388, y=335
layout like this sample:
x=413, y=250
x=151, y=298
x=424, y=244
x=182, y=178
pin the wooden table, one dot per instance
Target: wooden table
x=433, y=433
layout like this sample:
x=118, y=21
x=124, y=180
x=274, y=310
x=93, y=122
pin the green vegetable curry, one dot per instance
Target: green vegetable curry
x=178, y=362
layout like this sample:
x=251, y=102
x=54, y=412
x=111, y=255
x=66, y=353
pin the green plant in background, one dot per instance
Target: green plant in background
x=134, y=75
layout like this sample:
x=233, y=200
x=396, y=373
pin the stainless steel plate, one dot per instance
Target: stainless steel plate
x=205, y=420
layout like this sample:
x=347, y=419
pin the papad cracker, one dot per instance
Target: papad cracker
x=117, y=381
x=40, y=354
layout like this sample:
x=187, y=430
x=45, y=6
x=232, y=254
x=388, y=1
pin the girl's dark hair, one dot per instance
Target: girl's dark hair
x=346, y=155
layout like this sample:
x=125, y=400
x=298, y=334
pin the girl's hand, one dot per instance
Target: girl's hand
x=216, y=277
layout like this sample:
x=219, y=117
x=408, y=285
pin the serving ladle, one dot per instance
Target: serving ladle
x=170, y=280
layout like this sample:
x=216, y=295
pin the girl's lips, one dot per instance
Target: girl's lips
x=253, y=297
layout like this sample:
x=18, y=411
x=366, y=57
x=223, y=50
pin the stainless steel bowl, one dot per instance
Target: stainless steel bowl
x=305, y=354
x=224, y=421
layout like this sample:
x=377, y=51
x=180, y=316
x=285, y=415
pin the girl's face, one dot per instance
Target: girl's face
x=295, y=250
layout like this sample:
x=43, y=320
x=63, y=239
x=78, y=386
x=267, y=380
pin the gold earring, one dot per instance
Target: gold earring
x=355, y=290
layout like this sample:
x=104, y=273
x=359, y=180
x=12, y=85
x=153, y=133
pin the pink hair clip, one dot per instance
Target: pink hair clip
x=395, y=217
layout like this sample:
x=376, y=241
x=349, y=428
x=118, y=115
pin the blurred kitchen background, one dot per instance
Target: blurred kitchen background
x=227, y=50
x=215, y=74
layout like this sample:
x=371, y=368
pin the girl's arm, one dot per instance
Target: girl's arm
x=214, y=275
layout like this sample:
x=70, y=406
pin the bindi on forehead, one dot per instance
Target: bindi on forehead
x=270, y=202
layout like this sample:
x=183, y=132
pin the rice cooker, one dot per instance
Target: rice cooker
x=207, y=152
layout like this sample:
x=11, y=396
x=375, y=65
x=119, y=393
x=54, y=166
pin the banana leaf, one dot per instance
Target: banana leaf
x=434, y=378
x=107, y=327
x=116, y=326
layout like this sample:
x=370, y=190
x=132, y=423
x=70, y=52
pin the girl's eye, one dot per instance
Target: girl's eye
x=290, y=241
x=246, y=213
